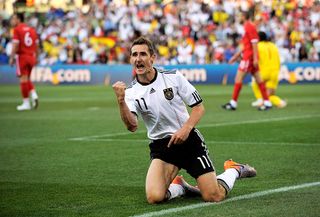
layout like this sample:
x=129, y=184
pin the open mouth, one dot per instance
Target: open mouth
x=139, y=66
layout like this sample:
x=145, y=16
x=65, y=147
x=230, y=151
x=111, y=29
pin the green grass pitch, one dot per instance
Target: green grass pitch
x=74, y=157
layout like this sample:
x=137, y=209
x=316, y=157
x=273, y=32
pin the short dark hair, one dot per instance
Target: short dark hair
x=142, y=40
x=262, y=36
x=20, y=16
x=247, y=14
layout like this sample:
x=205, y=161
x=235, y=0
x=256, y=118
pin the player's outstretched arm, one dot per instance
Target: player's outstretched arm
x=181, y=135
x=128, y=118
x=235, y=57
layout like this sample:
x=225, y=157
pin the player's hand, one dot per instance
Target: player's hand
x=11, y=61
x=231, y=61
x=179, y=137
x=119, y=89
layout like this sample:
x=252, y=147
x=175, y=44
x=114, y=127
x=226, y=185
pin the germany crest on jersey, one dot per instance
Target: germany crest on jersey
x=168, y=93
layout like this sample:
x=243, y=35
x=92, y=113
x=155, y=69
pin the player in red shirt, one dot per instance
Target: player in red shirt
x=248, y=64
x=24, y=52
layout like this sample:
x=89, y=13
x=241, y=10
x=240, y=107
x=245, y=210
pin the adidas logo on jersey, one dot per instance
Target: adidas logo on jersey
x=152, y=90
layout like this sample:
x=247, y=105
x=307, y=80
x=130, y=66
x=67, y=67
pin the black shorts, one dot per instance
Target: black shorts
x=192, y=155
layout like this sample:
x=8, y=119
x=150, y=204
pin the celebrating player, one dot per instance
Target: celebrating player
x=24, y=51
x=159, y=97
x=248, y=64
x=269, y=66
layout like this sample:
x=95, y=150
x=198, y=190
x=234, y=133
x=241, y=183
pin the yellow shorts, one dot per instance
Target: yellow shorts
x=270, y=77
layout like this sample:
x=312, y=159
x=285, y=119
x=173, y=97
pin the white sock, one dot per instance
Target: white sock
x=267, y=103
x=26, y=101
x=233, y=103
x=228, y=178
x=175, y=191
x=34, y=94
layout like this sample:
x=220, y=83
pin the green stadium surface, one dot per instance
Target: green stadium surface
x=74, y=157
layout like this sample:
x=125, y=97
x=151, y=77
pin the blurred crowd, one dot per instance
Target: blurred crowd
x=185, y=32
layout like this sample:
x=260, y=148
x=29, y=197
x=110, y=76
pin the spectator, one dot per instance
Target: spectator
x=303, y=54
x=184, y=52
x=200, y=51
x=218, y=21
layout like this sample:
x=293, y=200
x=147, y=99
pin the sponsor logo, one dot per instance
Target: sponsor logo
x=152, y=90
x=194, y=75
x=45, y=74
x=299, y=74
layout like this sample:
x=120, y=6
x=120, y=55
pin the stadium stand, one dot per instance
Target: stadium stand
x=186, y=32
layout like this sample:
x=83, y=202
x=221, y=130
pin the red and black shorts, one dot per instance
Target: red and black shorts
x=192, y=155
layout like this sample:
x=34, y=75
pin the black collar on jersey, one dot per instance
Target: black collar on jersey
x=153, y=79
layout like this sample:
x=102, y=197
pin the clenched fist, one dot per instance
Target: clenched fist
x=119, y=89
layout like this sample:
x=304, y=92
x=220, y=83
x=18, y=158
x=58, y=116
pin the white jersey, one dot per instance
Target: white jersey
x=161, y=104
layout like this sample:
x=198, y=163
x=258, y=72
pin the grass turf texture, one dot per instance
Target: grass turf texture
x=44, y=173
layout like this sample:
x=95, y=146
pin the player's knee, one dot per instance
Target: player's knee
x=214, y=196
x=155, y=196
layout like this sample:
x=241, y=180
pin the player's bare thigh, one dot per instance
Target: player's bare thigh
x=210, y=190
x=159, y=177
x=240, y=76
x=257, y=77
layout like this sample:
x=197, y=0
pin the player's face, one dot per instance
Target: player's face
x=14, y=21
x=141, y=59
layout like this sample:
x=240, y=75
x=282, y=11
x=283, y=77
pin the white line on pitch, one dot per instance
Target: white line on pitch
x=258, y=121
x=262, y=143
x=104, y=135
x=115, y=140
x=203, y=126
x=242, y=197
x=209, y=142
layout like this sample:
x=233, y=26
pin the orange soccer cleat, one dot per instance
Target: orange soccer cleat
x=244, y=170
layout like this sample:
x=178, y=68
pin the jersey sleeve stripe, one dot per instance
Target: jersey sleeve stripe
x=196, y=96
x=197, y=103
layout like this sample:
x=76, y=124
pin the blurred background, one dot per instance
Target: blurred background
x=185, y=32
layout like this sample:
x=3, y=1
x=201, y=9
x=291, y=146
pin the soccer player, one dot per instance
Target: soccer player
x=24, y=52
x=159, y=97
x=248, y=64
x=269, y=66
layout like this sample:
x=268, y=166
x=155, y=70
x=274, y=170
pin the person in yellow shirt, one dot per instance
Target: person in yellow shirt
x=269, y=65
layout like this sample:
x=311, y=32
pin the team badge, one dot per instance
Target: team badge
x=168, y=93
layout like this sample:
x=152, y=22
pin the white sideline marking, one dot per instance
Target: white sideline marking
x=94, y=108
x=100, y=136
x=262, y=143
x=242, y=197
x=210, y=142
x=258, y=121
x=202, y=126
